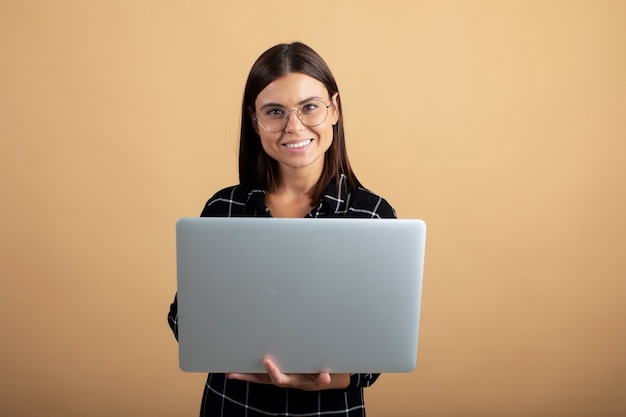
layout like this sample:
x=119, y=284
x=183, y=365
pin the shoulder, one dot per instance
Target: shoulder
x=223, y=202
x=369, y=204
x=232, y=192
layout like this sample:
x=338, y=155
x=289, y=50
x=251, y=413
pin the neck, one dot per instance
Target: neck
x=291, y=197
x=297, y=182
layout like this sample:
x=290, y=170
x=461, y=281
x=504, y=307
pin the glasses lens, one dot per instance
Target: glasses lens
x=272, y=119
x=311, y=114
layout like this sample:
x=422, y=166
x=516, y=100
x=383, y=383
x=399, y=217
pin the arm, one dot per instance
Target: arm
x=172, y=316
x=362, y=380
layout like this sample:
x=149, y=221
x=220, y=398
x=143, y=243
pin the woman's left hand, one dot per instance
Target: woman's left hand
x=306, y=382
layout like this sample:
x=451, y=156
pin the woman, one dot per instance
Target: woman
x=292, y=163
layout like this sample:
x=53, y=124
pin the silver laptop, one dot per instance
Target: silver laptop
x=316, y=295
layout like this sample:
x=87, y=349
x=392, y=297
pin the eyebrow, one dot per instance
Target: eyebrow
x=300, y=103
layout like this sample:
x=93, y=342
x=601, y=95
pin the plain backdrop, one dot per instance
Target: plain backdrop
x=502, y=124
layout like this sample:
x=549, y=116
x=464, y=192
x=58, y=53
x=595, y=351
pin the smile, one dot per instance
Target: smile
x=298, y=145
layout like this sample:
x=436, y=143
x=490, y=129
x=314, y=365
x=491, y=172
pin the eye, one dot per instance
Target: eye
x=274, y=112
x=310, y=107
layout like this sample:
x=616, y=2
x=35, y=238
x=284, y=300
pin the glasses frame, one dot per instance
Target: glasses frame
x=297, y=110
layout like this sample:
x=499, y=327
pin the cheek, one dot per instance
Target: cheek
x=267, y=142
x=328, y=134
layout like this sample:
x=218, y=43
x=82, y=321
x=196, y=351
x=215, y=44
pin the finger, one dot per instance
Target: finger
x=324, y=378
x=257, y=378
x=269, y=365
x=274, y=373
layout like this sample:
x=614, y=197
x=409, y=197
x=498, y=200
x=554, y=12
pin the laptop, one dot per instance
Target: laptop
x=315, y=295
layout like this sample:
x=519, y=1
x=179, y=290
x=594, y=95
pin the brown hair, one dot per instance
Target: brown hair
x=256, y=169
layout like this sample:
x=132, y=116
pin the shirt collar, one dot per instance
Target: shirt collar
x=332, y=202
x=256, y=199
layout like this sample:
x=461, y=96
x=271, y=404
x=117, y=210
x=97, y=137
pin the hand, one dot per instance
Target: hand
x=306, y=382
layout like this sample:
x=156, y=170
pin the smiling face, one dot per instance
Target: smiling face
x=297, y=148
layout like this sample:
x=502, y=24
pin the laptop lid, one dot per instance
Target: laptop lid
x=316, y=295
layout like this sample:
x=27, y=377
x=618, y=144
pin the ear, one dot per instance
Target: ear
x=255, y=124
x=334, y=110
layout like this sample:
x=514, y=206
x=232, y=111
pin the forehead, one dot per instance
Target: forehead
x=291, y=89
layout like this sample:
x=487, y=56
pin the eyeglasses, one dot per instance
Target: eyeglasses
x=273, y=118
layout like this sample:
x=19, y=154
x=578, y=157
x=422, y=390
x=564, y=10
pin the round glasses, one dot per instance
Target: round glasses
x=273, y=118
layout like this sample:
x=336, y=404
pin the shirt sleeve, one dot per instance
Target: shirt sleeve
x=172, y=316
x=362, y=380
x=385, y=211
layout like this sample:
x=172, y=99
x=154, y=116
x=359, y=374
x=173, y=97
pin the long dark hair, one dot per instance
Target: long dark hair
x=256, y=169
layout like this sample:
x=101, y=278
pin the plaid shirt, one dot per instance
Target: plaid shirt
x=230, y=398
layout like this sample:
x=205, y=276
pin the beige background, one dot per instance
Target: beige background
x=501, y=123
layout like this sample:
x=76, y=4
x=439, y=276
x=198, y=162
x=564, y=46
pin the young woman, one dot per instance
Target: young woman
x=292, y=163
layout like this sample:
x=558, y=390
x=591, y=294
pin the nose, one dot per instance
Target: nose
x=294, y=123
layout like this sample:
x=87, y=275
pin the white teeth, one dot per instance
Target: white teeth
x=299, y=144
